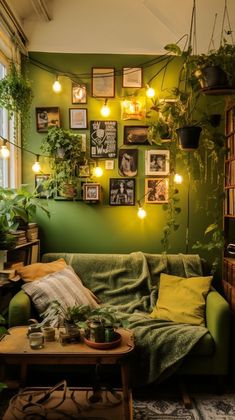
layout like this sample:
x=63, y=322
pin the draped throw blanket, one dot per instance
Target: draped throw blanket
x=129, y=283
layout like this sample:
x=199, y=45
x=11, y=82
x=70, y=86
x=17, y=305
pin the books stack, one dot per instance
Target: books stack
x=32, y=231
x=7, y=275
x=20, y=236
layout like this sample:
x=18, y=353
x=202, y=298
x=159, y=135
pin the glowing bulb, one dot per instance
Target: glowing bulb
x=178, y=179
x=141, y=213
x=57, y=86
x=105, y=110
x=36, y=167
x=150, y=92
x=98, y=171
x=5, y=152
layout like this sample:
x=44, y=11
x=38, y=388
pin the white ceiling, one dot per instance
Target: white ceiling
x=123, y=26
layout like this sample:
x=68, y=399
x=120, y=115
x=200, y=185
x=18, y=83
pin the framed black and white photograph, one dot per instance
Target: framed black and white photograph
x=135, y=134
x=156, y=190
x=79, y=94
x=132, y=77
x=103, y=82
x=157, y=162
x=46, y=118
x=91, y=192
x=127, y=162
x=41, y=181
x=122, y=192
x=103, y=139
x=78, y=118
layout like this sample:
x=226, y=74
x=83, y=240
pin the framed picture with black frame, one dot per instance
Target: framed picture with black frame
x=103, y=82
x=135, y=134
x=47, y=117
x=122, y=191
x=132, y=77
x=78, y=119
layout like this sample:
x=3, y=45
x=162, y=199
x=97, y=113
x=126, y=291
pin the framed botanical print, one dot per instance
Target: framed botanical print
x=103, y=82
x=122, y=192
x=157, y=162
x=132, y=77
x=156, y=190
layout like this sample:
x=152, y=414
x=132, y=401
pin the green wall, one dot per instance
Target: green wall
x=77, y=226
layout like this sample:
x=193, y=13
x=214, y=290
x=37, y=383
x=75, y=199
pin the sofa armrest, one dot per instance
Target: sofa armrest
x=218, y=324
x=19, y=309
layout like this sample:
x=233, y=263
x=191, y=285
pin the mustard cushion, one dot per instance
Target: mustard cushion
x=182, y=300
x=37, y=270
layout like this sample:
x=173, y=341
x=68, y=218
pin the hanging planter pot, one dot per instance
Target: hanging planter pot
x=215, y=119
x=213, y=77
x=189, y=137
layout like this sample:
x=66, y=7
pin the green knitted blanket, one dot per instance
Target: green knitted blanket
x=129, y=282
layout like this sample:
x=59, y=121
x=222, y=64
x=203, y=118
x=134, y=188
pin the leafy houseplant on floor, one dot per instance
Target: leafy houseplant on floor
x=65, y=152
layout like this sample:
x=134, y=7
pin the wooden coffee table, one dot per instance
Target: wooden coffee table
x=15, y=349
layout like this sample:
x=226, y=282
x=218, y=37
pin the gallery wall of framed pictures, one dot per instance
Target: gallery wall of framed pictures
x=120, y=144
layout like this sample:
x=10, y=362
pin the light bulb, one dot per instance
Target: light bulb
x=5, y=152
x=178, y=179
x=36, y=167
x=150, y=92
x=141, y=213
x=98, y=171
x=105, y=110
x=57, y=86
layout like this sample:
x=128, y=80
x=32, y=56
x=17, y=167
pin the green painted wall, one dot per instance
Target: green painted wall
x=77, y=226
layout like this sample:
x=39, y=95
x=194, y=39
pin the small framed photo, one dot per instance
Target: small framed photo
x=132, y=77
x=109, y=165
x=41, y=185
x=78, y=118
x=84, y=171
x=79, y=94
x=135, y=134
x=46, y=118
x=156, y=190
x=133, y=109
x=91, y=192
x=122, y=192
x=128, y=162
x=157, y=162
x=103, y=82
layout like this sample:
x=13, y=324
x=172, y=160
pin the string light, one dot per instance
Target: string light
x=141, y=212
x=57, y=85
x=178, y=179
x=36, y=166
x=4, y=152
x=150, y=92
x=98, y=171
x=105, y=110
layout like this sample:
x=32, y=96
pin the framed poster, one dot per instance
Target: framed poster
x=127, y=162
x=122, y=192
x=79, y=93
x=157, y=162
x=78, y=118
x=156, y=190
x=132, y=77
x=103, y=82
x=103, y=139
x=91, y=191
x=135, y=134
x=46, y=118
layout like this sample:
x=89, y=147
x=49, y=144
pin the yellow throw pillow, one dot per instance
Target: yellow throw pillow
x=35, y=271
x=182, y=299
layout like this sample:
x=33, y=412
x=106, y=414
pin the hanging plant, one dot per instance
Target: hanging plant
x=16, y=96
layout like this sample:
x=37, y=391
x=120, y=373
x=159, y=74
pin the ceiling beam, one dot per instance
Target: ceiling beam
x=41, y=10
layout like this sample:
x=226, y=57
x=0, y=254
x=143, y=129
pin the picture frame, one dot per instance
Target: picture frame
x=103, y=139
x=40, y=180
x=78, y=119
x=132, y=77
x=156, y=190
x=79, y=93
x=91, y=192
x=128, y=162
x=109, y=165
x=103, y=82
x=122, y=191
x=84, y=171
x=157, y=162
x=47, y=117
x=135, y=135
x=133, y=109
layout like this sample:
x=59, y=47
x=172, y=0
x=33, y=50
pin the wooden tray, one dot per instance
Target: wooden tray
x=104, y=346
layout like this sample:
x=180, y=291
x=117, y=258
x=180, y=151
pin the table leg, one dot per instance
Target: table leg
x=23, y=373
x=127, y=397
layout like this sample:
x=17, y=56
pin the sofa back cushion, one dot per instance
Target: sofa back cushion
x=182, y=299
x=37, y=270
x=64, y=286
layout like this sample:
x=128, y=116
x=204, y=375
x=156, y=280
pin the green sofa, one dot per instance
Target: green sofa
x=210, y=354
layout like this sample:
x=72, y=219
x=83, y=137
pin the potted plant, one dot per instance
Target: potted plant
x=58, y=314
x=65, y=152
x=16, y=95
